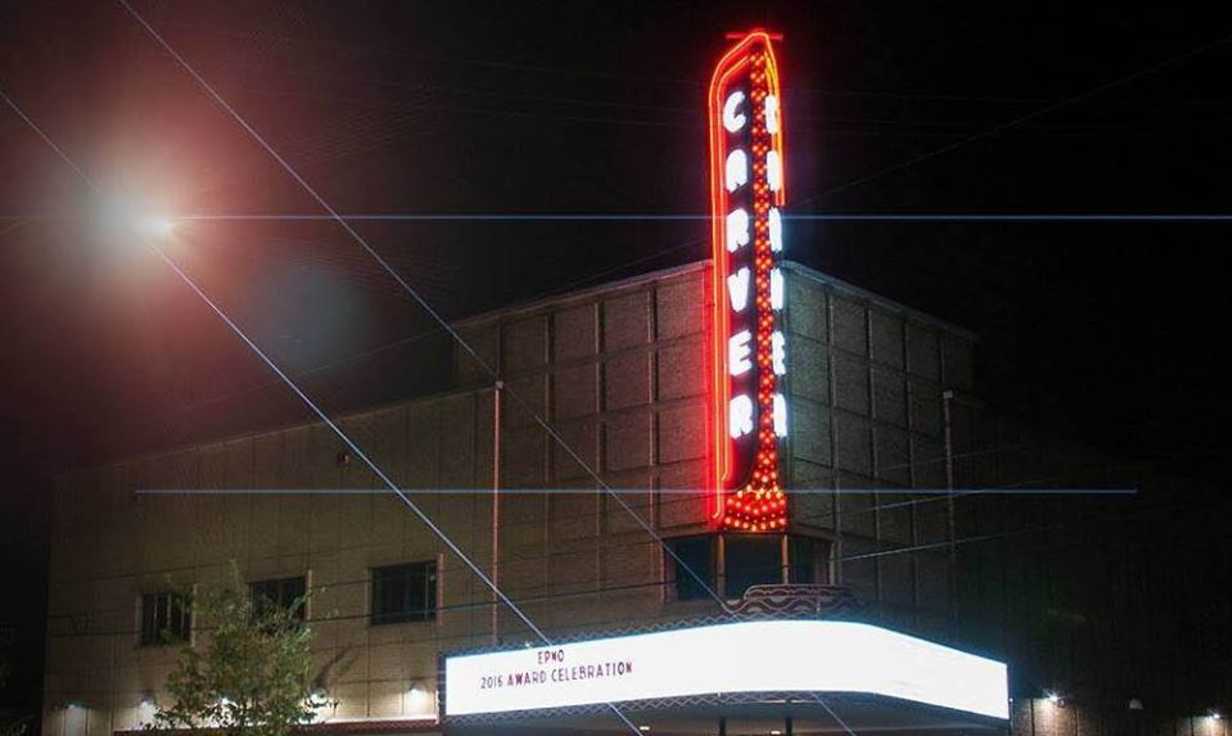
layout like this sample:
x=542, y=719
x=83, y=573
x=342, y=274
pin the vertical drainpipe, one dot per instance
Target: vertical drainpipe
x=947, y=396
x=496, y=482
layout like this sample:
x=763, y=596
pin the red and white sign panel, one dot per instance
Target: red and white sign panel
x=748, y=413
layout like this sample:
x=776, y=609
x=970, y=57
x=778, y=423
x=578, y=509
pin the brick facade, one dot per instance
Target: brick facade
x=619, y=372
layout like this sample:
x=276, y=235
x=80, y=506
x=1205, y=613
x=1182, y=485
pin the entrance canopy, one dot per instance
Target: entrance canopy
x=754, y=669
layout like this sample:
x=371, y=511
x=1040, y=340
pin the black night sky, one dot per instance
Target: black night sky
x=1109, y=332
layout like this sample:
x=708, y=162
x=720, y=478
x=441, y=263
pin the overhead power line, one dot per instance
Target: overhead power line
x=409, y=290
x=320, y=413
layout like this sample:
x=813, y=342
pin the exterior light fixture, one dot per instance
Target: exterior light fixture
x=148, y=700
x=158, y=226
x=775, y=732
x=1135, y=704
x=419, y=700
x=1214, y=715
x=1053, y=697
x=643, y=728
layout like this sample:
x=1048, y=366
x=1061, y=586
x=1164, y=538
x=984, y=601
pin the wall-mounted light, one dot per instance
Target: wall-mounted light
x=419, y=700
x=1214, y=715
x=1054, y=698
x=1135, y=704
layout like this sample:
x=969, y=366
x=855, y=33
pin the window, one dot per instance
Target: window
x=697, y=554
x=165, y=618
x=804, y=558
x=752, y=560
x=404, y=593
x=281, y=593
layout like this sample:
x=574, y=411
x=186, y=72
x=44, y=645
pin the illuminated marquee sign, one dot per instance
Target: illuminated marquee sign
x=748, y=414
x=826, y=656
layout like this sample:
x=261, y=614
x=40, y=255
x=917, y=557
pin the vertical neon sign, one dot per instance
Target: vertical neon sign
x=748, y=413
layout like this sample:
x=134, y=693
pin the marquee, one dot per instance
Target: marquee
x=823, y=656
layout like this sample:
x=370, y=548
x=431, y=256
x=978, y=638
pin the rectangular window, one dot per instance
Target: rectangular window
x=166, y=618
x=696, y=554
x=752, y=560
x=281, y=593
x=804, y=559
x=404, y=593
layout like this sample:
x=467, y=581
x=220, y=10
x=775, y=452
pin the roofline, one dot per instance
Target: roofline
x=881, y=301
x=534, y=305
x=253, y=434
x=586, y=294
x=665, y=273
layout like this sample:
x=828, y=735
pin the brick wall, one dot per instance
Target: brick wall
x=619, y=373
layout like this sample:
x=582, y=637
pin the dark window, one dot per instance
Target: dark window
x=803, y=560
x=752, y=560
x=696, y=554
x=165, y=618
x=284, y=593
x=404, y=593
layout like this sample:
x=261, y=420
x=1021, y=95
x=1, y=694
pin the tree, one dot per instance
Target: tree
x=11, y=724
x=254, y=674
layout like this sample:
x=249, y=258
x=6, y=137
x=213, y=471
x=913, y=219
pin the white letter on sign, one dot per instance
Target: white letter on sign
x=778, y=353
x=738, y=289
x=772, y=114
x=737, y=170
x=774, y=170
x=738, y=352
x=776, y=230
x=776, y=289
x=733, y=119
x=740, y=417
x=737, y=229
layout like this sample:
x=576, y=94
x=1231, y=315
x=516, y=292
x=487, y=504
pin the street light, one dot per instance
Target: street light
x=157, y=226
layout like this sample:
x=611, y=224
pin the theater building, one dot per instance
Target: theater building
x=745, y=517
x=620, y=373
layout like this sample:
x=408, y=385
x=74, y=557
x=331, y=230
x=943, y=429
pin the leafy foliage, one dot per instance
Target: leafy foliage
x=250, y=672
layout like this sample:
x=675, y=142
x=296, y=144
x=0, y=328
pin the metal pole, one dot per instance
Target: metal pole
x=947, y=396
x=788, y=728
x=722, y=725
x=496, y=483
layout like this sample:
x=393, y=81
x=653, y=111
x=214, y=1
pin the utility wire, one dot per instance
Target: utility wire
x=410, y=291
x=235, y=328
